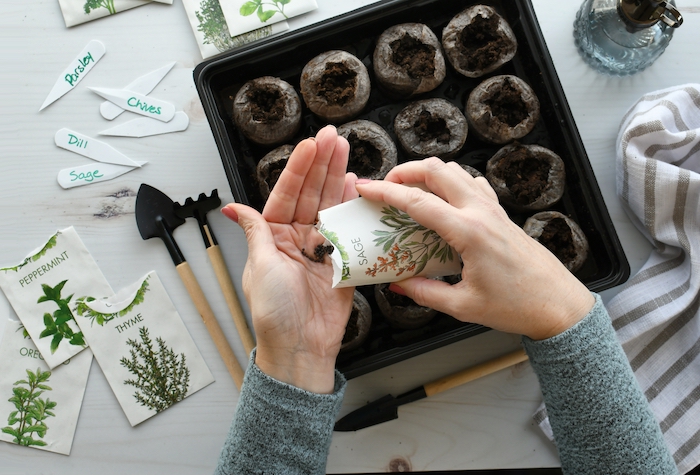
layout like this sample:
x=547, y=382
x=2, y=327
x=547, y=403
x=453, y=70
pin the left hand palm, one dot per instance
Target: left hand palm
x=299, y=319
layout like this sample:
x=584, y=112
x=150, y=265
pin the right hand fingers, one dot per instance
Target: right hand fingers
x=434, y=294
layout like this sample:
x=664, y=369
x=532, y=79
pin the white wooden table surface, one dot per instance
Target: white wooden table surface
x=485, y=424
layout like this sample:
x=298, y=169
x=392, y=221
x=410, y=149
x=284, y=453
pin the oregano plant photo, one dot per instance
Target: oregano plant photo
x=57, y=324
x=161, y=376
x=31, y=411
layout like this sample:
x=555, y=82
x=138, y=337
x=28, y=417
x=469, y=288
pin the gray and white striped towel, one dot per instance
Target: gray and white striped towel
x=657, y=312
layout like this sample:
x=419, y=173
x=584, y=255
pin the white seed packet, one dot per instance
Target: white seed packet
x=39, y=407
x=243, y=16
x=143, y=348
x=76, y=12
x=43, y=289
x=376, y=243
x=211, y=31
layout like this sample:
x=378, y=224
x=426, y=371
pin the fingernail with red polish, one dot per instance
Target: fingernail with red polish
x=396, y=289
x=230, y=213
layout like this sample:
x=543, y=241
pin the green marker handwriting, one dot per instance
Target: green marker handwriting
x=89, y=176
x=72, y=78
x=137, y=104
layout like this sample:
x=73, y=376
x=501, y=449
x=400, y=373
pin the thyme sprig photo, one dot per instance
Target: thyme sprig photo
x=162, y=377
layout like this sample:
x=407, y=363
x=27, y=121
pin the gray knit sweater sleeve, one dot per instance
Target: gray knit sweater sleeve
x=600, y=418
x=278, y=428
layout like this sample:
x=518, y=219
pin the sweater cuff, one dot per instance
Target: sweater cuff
x=589, y=331
x=273, y=390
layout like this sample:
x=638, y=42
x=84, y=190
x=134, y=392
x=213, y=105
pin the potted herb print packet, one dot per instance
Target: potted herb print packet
x=143, y=348
x=43, y=288
x=375, y=243
x=39, y=407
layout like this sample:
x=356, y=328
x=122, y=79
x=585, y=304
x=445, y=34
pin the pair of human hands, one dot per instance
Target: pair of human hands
x=510, y=282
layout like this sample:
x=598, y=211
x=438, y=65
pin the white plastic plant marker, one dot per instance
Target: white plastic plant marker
x=39, y=407
x=143, y=85
x=375, y=243
x=76, y=71
x=89, y=174
x=91, y=148
x=145, y=127
x=143, y=347
x=43, y=289
x=137, y=103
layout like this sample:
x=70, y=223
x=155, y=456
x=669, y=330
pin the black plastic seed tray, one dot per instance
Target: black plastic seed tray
x=218, y=79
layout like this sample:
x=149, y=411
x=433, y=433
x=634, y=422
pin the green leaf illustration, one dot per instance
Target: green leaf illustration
x=96, y=4
x=213, y=27
x=31, y=410
x=248, y=8
x=57, y=325
x=51, y=243
x=258, y=7
x=83, y=310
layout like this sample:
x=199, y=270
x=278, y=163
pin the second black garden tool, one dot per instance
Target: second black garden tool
x=198, y=210
x=386, y=409
x=155, y=217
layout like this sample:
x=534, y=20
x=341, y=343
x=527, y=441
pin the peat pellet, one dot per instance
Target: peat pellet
x=408, y=60
x=561, y=235
x=399, y=310
x=431, y=127
x=270, y=168
x=478, y=41
x=335, y=86
x=267, y=110
x=372, y=151
x=526, y=177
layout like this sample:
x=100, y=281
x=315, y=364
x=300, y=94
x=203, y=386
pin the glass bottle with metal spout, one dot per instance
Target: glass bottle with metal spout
x=622, y=37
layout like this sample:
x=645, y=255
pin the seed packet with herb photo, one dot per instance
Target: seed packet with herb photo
x=43, y=288
x=243, y=16
x=143, y=347
x=212, y=33
x=374, y=243
x=39, y=407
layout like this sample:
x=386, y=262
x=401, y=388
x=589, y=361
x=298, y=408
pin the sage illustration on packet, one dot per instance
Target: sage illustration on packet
x=143, y=348
x=375, y=243
x=39, y=407
x=43, y=288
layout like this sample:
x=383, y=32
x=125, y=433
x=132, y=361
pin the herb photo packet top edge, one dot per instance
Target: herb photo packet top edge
x=375, y=243
x=43, y=288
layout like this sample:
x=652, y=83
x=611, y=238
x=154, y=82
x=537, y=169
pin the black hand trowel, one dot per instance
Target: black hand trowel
x=386, y=408
x=155, y=217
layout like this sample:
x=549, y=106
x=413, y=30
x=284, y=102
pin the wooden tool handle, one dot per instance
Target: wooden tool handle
x=234, y=305
x=205, y=311
x=475, y=372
